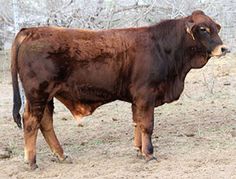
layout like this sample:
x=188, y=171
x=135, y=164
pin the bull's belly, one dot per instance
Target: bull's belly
x=93, y=94
x=82, y=101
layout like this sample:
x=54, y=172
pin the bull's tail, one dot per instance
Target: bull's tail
x=14, y=73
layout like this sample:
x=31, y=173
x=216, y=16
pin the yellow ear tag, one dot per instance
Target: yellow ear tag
x=189, y=32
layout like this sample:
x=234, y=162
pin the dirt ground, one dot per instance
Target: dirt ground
x=194, y=137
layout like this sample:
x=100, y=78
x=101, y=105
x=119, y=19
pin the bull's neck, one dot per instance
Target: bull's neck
x=172, y=46
x=175, y=46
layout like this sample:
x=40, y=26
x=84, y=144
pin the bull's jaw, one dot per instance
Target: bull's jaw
x=199, y=61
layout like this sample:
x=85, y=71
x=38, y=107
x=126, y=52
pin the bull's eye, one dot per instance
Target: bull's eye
x=205, y=29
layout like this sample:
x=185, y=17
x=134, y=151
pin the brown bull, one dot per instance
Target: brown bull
x=85, y=69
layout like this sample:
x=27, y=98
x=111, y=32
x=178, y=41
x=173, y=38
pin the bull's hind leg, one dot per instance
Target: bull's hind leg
x=31, y=121
x=46, y=127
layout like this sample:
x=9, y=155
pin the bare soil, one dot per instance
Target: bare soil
x=194, y=137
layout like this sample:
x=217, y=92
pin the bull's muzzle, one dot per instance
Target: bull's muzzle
x=219, y=51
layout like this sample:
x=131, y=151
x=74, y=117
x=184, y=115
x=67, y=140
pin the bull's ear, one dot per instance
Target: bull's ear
x=218, y=27
x=189, y=28
x=198, y=12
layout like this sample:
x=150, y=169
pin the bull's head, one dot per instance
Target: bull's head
x=204, y=31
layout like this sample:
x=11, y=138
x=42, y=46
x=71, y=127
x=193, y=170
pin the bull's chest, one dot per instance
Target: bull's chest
x=169, y=91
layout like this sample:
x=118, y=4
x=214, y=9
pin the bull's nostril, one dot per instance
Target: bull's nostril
x=224, y=50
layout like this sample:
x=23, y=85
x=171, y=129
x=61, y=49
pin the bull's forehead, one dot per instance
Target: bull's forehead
x=203, y=19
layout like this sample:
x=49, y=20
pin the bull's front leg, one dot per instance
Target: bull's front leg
x=143, y=116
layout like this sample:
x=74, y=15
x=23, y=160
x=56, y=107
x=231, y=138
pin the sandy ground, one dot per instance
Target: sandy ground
x=194, y=137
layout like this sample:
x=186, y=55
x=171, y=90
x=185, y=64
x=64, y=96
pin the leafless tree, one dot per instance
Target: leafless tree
x=105, y=14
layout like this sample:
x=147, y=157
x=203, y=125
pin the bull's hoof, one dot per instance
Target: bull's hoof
x=67, y=160
x=139, y=155
x=30, y=166
x=149, y=158
x=139, y=152
x=33, y=166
